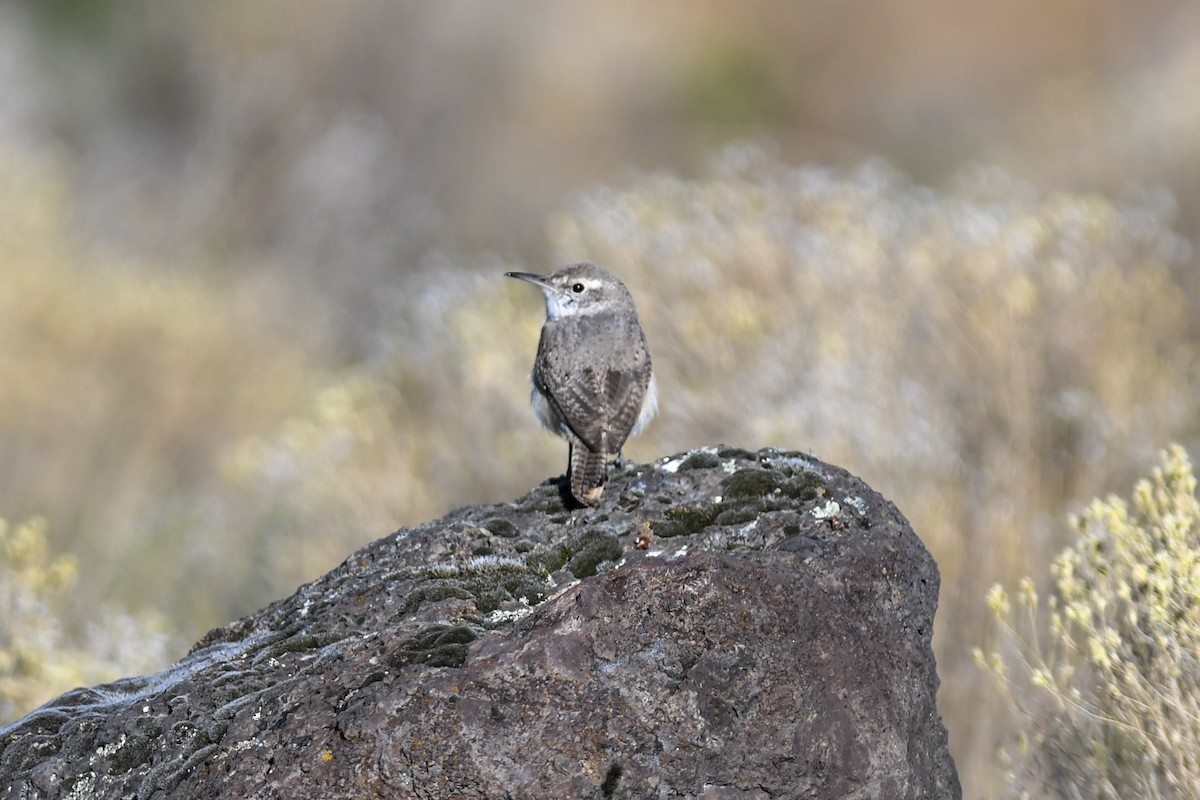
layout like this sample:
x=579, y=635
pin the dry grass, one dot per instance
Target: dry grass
x=122, y=383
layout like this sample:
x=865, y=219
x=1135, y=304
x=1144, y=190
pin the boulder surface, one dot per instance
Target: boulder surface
x=725, y=624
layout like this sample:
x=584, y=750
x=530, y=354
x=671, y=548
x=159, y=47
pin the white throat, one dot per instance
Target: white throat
x=558, y=306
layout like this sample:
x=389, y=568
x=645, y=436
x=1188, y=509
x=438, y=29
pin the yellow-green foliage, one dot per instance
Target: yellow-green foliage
x=122, y=382
x=40, y=656
x=1106, y=683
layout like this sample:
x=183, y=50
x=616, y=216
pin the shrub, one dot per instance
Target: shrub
x=1106, y=684
x=40, y=654
x=123, y=381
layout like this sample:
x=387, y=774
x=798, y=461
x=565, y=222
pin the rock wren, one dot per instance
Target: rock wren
x=592, y=382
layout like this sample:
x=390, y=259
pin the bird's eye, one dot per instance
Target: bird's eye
x=577, y=288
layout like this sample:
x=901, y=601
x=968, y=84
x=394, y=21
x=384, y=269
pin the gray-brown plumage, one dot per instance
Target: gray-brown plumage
x=592, y=381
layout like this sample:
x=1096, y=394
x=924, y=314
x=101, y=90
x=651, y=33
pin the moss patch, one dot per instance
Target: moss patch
x=432, y=592
x=299, y=643
x=436, y=646
x=493, y=591
x=746, y=494
x=685, y=520
x=501, y=527
x=739, y=514
x=489, y=585
x=581, y=554
x=549, y=559
x=751, y=484
x=592, y=549
x=702, y=459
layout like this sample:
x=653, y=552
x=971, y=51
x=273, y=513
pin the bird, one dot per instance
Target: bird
x=593, y=383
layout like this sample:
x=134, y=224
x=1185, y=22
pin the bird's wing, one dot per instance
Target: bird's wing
x=624, y=392
x=577, y=397
x=599, y=402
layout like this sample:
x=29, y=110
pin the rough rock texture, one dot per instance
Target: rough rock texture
x=725, y=624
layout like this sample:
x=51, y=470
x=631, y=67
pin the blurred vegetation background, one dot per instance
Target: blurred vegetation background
x=252, y=313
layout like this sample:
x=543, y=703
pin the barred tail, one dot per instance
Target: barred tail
x=588, y=472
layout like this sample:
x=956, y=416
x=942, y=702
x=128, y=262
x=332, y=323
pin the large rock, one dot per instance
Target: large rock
x=725, y=624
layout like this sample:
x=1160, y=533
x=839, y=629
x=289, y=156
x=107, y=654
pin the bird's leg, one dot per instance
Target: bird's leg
x=564, y=483
x=566, y=478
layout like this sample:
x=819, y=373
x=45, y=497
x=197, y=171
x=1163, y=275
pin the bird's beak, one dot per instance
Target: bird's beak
x=539, y=281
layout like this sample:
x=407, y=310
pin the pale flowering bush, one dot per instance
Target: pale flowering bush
x=1105, y=681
